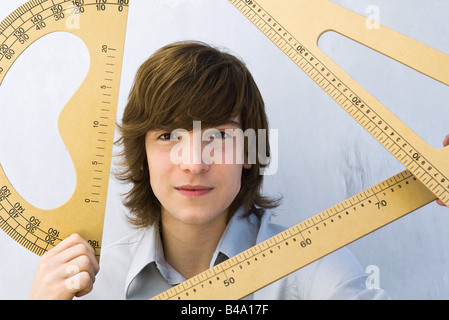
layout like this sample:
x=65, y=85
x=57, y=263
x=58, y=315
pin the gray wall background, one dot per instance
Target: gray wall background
x=319, y=164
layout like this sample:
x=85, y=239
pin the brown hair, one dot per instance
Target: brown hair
x=181, y=83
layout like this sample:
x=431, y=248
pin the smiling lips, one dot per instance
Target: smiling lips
x=193, y=191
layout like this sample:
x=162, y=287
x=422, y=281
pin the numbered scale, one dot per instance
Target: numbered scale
x=295, y=26
x=86, y=123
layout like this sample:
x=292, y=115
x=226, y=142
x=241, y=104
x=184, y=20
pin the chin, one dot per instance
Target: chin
x=197, y=216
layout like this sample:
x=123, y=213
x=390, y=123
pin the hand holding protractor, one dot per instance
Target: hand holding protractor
x=305, y=236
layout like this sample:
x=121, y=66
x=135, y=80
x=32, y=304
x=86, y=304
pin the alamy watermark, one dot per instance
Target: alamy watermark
x=373, y=279
x=72, y=15
x=73, y=282
x=225, y=147
x=373, y=17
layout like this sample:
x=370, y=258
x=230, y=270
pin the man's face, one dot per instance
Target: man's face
x=190, y=187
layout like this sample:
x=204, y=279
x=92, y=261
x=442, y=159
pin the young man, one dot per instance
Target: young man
x=194, y=213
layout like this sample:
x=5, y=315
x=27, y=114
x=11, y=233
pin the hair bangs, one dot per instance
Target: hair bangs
x=212, y=97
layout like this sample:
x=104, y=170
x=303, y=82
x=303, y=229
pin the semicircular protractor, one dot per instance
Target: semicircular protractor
x=86, y=122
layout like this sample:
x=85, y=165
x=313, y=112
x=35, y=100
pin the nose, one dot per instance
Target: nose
x=195, y=168
x=194, y=162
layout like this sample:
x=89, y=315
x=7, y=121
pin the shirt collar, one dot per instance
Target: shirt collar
x=145, y=254
x=239, y=235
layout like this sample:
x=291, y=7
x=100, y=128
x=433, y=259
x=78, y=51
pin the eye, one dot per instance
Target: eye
x=220, y=135
x=169, y=136
x=217, y=134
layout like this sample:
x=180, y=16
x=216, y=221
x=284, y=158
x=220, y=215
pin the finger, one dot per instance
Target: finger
x=80, y=250
x=445, y=144
x=80, y=275
x=79, y=284
x=70, y=241
x=79, y=265
x=90, y=253
x=446, y=141
x=85, y=291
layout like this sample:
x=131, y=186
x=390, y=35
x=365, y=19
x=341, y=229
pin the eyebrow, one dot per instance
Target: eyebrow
x=228, y=122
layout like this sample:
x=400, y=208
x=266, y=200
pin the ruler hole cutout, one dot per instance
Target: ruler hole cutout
x=32, y=94
x=419, y=101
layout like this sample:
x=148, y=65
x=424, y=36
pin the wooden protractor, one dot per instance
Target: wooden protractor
x=86, y=123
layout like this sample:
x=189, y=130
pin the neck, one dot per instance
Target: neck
x=188, y=248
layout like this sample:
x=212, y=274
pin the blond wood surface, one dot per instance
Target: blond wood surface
x=86, y=123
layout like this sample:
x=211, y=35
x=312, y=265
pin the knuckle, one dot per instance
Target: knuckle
x=84, y=262
x=79, y=282
x=86, y=282
x=75, y=236
x=81, y=249
x=44, y=257
x=85, y=279
x=43, y=265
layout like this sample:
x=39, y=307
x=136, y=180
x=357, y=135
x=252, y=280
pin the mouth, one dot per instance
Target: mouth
x=193, y=191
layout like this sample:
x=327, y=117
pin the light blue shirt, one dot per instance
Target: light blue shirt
x=134, y=267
